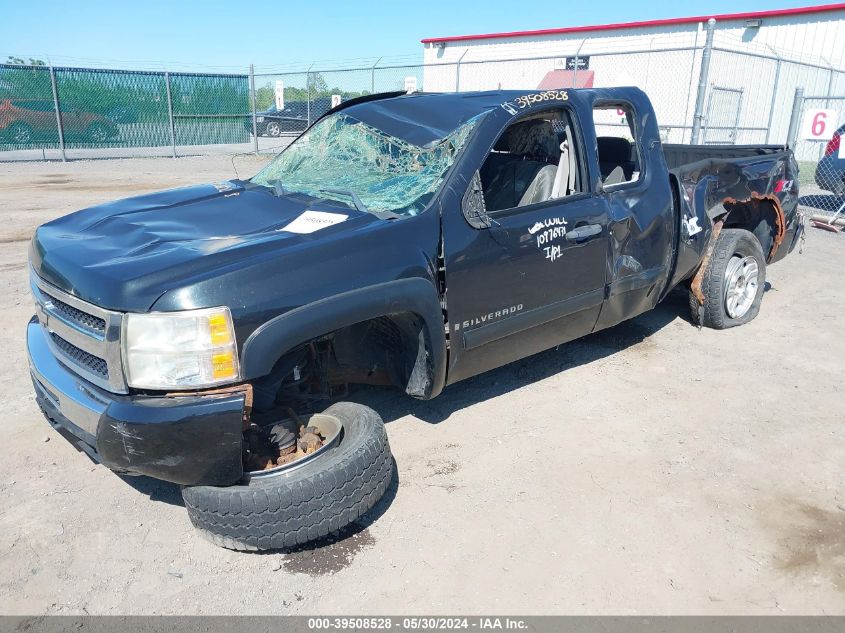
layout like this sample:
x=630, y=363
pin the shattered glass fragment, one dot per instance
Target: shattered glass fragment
x=340, y=153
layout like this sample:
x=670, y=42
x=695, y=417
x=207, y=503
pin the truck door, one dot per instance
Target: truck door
x=642, y=222
x=525, y=262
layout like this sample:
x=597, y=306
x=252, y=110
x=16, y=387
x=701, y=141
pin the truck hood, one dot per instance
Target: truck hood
x=124, y=255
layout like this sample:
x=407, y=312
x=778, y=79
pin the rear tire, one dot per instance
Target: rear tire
x=303, y=503
x=734, y=282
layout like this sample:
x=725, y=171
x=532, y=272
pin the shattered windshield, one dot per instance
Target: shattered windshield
x=340, y=156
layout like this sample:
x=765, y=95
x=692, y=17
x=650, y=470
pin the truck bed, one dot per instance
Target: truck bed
x=678, y=155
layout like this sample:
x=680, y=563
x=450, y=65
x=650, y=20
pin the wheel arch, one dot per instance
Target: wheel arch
x=397, y=300
x=761, y=215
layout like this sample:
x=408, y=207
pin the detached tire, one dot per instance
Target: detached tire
x=304, y=503
x=734, y=282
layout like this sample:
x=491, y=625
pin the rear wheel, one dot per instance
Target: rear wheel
x=734, y=282
x=273, y=129
x=304, y=502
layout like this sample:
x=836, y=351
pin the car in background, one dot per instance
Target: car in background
x=830, y=172
x=294, y=119
x=25, y=121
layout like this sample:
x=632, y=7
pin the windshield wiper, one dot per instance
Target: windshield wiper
x=358, y=204
x=356, y=201
x=278, y=188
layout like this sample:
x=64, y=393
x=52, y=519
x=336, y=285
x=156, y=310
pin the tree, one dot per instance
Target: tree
x=297, y=97
x=265, y=96
x=17, y=61
x=317, y=83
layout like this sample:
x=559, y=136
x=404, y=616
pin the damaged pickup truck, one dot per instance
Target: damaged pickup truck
x=207, y=335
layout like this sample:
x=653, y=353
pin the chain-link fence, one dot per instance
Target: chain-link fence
x=816, y=134
x=287, y=103
x=80, y=108
x=706, y=86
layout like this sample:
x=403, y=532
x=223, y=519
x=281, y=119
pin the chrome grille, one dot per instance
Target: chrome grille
x=85, y=337
x=83, y=319
x=81, y=357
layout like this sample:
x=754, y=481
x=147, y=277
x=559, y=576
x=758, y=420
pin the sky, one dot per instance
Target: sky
x=228, y=36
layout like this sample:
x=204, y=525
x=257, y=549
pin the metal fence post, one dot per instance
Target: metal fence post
x=59, y=124
x=698, y=116
x=774, y=100
x=829, y=85
x=373, y=76
x=252, y=99
x=577, y=57
x=458, y=71
x=170, y=114
x=308, y=87
x=797, y=103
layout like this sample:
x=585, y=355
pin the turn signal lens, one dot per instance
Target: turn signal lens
x=218, y=328
x=223, y=366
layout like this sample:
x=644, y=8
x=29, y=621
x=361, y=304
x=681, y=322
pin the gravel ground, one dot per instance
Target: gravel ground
x=650, y=468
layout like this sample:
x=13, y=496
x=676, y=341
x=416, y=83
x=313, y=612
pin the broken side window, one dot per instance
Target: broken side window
x=616, y=144
x=533, y=161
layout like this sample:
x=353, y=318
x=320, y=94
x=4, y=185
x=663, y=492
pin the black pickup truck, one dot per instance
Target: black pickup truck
x=207, y=335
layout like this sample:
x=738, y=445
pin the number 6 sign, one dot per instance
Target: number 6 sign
x=818, y=125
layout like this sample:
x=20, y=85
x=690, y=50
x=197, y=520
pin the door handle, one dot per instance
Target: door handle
x=583, y=232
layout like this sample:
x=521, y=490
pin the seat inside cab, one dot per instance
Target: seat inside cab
x=617, y=152
x=530, y=163
x=617, y=159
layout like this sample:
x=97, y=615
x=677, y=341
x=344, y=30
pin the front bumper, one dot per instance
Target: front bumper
x=189, y=440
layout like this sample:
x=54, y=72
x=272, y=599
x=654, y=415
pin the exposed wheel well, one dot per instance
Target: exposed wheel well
x=390, y=350
x=762, y=216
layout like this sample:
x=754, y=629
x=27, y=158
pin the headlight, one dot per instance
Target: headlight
x=178, y=350
x=259, y=119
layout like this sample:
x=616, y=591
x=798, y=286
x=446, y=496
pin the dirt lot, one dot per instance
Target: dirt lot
x=651, y=468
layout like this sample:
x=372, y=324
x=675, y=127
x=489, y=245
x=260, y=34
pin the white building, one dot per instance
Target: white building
x=758, y=60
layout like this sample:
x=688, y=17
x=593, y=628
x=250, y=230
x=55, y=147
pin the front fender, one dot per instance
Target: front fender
x=287, y=331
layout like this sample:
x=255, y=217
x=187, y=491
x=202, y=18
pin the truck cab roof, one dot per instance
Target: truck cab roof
x=422, y=118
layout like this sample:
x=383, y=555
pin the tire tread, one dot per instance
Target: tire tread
x=712, y=313
x=304, y=507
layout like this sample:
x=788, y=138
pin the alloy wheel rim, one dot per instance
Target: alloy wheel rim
x=740, y=285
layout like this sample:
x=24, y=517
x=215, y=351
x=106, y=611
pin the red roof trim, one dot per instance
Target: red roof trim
x=646, y=23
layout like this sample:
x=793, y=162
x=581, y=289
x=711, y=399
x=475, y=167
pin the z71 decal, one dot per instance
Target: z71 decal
x=523, y=101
